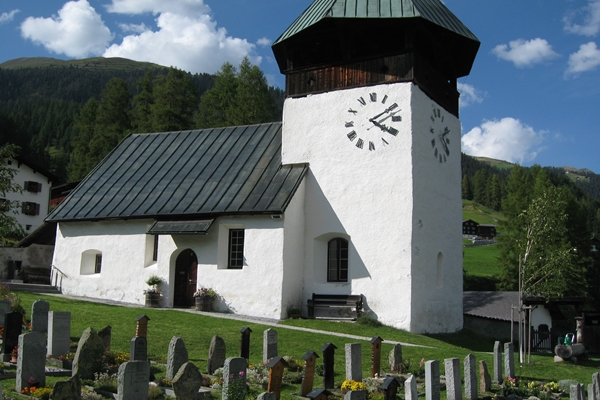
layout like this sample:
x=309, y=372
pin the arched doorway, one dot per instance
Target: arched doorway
x=186, y=270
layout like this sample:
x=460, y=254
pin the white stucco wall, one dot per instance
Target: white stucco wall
x=541, y=315
x=391, y=204
x=25, y=173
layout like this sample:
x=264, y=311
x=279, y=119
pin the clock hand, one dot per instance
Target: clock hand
x=444, y=144
x=390, y=115
x=387, y=110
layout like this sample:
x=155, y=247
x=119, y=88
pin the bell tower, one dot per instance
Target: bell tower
x=372, y=106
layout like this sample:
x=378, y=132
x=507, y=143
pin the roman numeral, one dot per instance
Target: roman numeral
x=385, y=143
x=350, y=124
x=384, y=99
x=352, y=111
x=360, y=143
x=396, y=118
x=362, y=101
x=371, y=146
x=373, y=97
x=393, y=131
x=432, y=143
x=352, y=135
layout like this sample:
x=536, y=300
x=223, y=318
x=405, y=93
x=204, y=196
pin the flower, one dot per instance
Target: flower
x=206, y=292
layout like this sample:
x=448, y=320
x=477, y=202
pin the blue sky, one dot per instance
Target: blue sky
x=533, y=95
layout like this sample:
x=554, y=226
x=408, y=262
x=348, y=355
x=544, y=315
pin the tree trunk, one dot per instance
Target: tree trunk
x=566, y=352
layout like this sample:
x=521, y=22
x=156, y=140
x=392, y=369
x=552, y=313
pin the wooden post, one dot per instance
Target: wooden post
x=141, y=328
x=310, y=359
x=276, y=367
x=376, y=356
x=245, y=343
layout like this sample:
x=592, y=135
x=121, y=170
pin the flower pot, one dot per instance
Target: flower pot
x=203, y=303
x=153, y=300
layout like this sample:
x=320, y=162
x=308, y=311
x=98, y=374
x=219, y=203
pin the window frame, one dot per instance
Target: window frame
x=337, y=264
x=98, y=263
x=235, y=249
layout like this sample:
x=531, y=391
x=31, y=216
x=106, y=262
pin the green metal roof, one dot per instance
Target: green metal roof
x=431, y=10
x=187, y=175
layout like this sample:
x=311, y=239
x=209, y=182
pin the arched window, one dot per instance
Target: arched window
x=337, y=260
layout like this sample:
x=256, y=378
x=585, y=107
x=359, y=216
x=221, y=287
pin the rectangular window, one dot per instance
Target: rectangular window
x=155, y=249
x=98, y=264
x=29, y=208
x=236, y=248
x=337, y=260
x=33, y=187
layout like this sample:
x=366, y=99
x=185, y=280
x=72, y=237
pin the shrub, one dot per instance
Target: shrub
x=42, y=393
x=368, y=321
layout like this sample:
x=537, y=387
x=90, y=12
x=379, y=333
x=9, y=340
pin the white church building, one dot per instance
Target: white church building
x=356, y=192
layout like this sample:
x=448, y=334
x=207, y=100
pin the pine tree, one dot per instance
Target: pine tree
x=141, y=115
x=217, y=104
x=81, y=161
x=175, y=102
x=9, y=227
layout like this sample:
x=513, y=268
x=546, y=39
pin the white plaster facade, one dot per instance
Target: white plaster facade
x=41, y=197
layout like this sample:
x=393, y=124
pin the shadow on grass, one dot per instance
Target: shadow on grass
x=466, y=339
x=479, y=283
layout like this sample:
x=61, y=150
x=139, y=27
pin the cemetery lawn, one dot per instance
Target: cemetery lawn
x=197, y=330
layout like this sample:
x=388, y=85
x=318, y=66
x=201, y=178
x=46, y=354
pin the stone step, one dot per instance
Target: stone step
x=32, y=288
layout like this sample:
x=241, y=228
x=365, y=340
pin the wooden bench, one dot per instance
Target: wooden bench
x=351, y=301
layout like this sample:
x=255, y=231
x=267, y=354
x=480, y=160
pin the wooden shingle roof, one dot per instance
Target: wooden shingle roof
x=187, y=175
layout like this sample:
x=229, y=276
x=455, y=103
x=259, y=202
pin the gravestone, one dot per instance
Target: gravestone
x=576, y=392
x=269, y=344
x=376, y=356
x=310, y=359
x=234, y=378
x=88, y=357
x=216, y=354
x=395, y=359
x=13, y=326
x=509, y=360
x=59, y=333
x=39, y=316
x=596, y=382
x=410, y=388
x=432, y=380
x=31, y=362
x=453, y=386
x=485, y=380
x=141, y=326
x=353, y=362
x=5, y=308
x=245, y=343
x=356, y=395
x=470, y=377
x=276, y=368
x=390, y=388
x=319, y=394
x=176, y=357
x=328, y=364
x=187, y=382
x=67, y=390
x=497, y=378
x=138, y=349
x=590, y=392
x=266, y=396
x=105, y=334
x=132, y=380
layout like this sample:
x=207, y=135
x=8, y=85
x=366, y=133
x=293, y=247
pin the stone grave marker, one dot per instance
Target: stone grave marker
x=596, y=382
x=59, y=333
x=576, y=392
x=509, y=360
x=356, y=395
x=453, y=385
x=216, y=354
x=88, y=357
x=410, y=388
x=276, y=367
x=138, y=349
x=353, y=362
x=105, y=334
x=376, y=356
x=176, y=357
x=310, y=360
x=13, y=326
x=31, y=363
x=234, y=378
x=39, y=316
x=390, y=388
x=497, y=378
x=432, y=380
x=269, y=344
x=395, y=359
x=132, y=380
x=319, y=394
x=266, y=396
x=328, y=360
x=67, y=390
x=187, y=382
x=590, y=392
x=245, y=343
x=5, y=308
x=141, y=327
x=470, y=377
x=485, y=380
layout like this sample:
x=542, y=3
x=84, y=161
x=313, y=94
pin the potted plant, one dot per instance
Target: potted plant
x=153, y=293
x=294, y=312
x=204, y=298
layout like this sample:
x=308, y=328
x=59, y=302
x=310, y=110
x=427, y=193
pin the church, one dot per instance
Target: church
x=356, y=192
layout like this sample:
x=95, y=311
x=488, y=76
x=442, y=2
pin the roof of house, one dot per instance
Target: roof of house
x=37, y=169
x=493, y=305
x=187, y=175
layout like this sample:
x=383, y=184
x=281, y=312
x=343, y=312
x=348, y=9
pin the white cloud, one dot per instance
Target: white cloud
x=525, y=53
x=586, y=59
x=78, y=31
x=264, y=42
x=7, y=16
x=507, y=139
x=136, y=28
x=469, y=95
x=591, y=20
x=189, y=41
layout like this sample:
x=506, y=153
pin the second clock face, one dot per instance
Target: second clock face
x=372, y=121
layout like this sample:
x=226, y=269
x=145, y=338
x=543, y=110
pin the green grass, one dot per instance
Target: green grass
x=197, y=331
x=481, y=260
x=481, y=214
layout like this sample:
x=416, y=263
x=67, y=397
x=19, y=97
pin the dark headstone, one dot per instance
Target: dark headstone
x=234, y=378
x=216, y=354
x=39, y=316
x=59, y=333
x=187, y=382
x=395, y=359
x=269, y=344
x=31, y=362
x=266, y=396
x=67, y=390
x=132, y=380
x=319, y=394
x=356, y=395
x=390, y=388
x=13, y=326
x=138, y=349
x=245, y=343
x=88, y=358
x=105, y=334
x=328, y=364
x=176, y=357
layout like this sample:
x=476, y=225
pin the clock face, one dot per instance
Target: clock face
x=371, y=121
x=440, y=141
